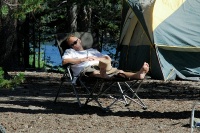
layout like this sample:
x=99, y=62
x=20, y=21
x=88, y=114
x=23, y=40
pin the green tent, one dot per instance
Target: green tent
x=164, y=33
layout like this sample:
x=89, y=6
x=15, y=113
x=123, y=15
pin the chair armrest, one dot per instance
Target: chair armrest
x=67, y=65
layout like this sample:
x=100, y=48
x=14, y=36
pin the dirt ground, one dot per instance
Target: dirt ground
x=30, y=108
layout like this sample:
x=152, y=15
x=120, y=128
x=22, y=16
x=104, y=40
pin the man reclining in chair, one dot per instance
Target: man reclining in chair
x=92, y=63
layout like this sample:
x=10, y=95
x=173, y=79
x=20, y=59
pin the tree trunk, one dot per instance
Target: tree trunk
x=79, y=17
x=25, y=33
x=72, y=18
x=84, y=18
x=7, y=38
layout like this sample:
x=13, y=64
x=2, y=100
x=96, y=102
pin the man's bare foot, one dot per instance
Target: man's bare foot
x=143, y=71
x=138, y=75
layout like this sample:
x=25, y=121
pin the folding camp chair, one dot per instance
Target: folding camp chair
x=126, y=94
x=194, y=122
x=67, y=76
x=101, y=86
x=85, y=37
x=2, y=129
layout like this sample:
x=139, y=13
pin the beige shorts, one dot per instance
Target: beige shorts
x=87, y=71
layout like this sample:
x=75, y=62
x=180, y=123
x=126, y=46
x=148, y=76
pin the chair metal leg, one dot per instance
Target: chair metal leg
x=123, y=100
x=194, y=122
x=76, y=94
x=83, y=85
x=63, y=78
x=73, y=87
x=58, y=91
x=2, y=129
x=91, y=94
x=139, y=102
x=125, y=97
x=121, y=91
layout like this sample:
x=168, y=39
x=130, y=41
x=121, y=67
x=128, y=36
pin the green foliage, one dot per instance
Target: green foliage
x=51, y=15
x=31, y=60
x=22, y=8
x=11, y=83
x=28, y=6
x=109, y=16
x=4, y=10
x=46, y=17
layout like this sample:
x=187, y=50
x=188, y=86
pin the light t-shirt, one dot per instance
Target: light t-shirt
x=77, y=68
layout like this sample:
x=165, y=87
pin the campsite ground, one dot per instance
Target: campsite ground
x=30, y=108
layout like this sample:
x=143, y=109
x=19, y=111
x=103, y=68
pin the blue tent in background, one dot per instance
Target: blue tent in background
x=164, y=33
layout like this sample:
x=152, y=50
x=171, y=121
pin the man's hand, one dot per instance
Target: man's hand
x=89, y=58
x=93, y=58
x=97, y=58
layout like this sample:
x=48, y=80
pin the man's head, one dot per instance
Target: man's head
x=74, y=42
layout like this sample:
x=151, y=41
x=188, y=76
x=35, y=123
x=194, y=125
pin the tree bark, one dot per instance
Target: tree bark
x=25, y=30
x=84, y=18
x=73, y=18
x=7, y=38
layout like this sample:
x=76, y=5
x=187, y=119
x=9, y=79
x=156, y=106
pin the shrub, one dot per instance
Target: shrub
x=11, y=83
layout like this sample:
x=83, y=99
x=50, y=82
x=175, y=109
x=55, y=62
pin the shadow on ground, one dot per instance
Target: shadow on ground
x=40, y=91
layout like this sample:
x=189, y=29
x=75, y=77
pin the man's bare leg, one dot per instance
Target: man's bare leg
x=138, y=75
x=99, y=74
